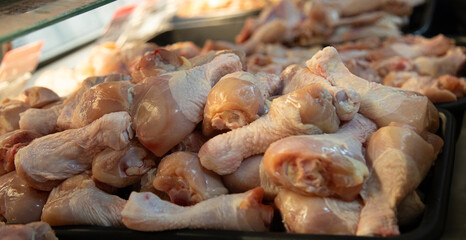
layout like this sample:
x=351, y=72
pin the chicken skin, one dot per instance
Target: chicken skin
x=48, y=160
x=329, y=165
x=241, y=212
x=308, y=110
x=168, y=107
x=20, y=203
x=317, y=215
x=379, y=103
x=186, y=182
x=399, y=159
x=237, y=100
x=77, y=201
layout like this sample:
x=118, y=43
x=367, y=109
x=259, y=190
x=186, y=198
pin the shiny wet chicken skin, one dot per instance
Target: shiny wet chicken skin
x=379, y=103
x=308, y=110
x=19, y=203
x=65, y=117
x=191, y=143
x=10, y=143
x=77, y=201
x=237, y=100
x=156, y=63
x=186, y=182
x=330, y=165
x=246, y=177
x=42, y=121
x=345, y=99
x=445, y=88
x=101, y=99
x=168, y=107
x=399, y=160
x=240, y=212
x=124, y=167
x=46, y=162
x=10, y=111
x=35, y=230
x=38, y=97
x=317, y=215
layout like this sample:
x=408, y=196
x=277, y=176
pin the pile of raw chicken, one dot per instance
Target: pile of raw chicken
x=175, y=137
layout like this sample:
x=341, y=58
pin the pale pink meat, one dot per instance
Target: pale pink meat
x=448, y=64
x=40, y=120
x=31, y=231
x=316, y=215
x=10, y=143
x=156, y=63
x=101, y=99
x=48, y=160
x=237, y=100
x=77, y=201
x=191, y=143
x=186, y=182
x=69, y=105
x=241, y=212
x=330, y=165
x=121, y=168
x=399, y=160
x=246, y=177
x=346, y=100
x=168, y=107
x=379, y=103
x=10, y=111
x=38, y=97
x=20, y=203
x=308, y=110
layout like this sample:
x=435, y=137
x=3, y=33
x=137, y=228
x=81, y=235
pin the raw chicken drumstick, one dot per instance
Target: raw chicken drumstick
x=20, y=203
x=121, y=168
x=329, y=165
x=241, y=212
x=186, y=182
x=317, y=215
x=168, y=107
x=65, y=118
x=40, y=120
x=308, y=110
x=48, y=160
x=38, y=97
x=10, y=143
x=400, y=159
x=346, y=100
x=10, y=111
x=237, y=100
x=101, y=99
x=246, y=177
x=34, y=230
x=77, y=201
x=158, y=62
x=379, y=103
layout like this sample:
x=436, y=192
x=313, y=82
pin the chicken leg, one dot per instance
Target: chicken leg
x=379, y=103
x=48, y=160
x=330, y=165
x=168, y=107
x=308, y=110
x=241, y=212
x=400, y=159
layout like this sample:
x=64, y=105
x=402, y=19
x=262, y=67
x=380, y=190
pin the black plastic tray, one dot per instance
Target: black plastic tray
x=420, y=21
x=436, y=187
